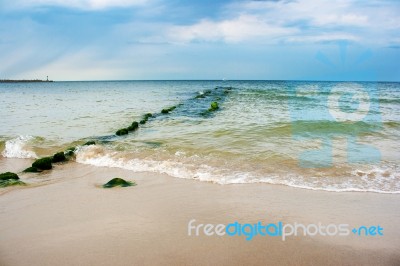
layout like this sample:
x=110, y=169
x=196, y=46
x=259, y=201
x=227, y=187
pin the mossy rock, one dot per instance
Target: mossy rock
x=8, y=176
x=145, y=118
x=148, y=115
x=11, y=182
x=43, y=163
x=167, y=110
x=214, y=106
x=32, y=170
x=133, y=126
x=118, y=182
x=207, y=92
x=59, y=157
x=143, y=121
x=91, y=142
x=122, y=131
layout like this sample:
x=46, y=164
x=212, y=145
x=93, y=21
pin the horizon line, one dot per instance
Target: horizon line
x=225, y=80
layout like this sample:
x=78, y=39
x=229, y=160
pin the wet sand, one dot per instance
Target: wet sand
x=65, y=218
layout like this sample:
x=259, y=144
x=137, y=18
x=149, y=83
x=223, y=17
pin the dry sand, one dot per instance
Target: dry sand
x=65, y=218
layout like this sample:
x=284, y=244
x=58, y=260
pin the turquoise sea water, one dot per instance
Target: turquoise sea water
x=336, y=136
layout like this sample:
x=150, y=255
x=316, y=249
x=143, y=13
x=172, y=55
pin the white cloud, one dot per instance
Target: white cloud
x=298, y=21
x=78, y=4
x=243, y=28
x=317, y=13
x=339, y=19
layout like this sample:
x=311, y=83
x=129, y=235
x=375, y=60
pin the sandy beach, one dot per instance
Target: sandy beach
x=65, y=218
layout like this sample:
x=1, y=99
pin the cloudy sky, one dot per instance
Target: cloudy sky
x=209, y=39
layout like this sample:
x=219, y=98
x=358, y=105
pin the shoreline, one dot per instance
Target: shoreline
x=66, y=218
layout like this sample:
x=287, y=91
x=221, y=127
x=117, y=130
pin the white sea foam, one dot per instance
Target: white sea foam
x=18, y=148
x=98, y=156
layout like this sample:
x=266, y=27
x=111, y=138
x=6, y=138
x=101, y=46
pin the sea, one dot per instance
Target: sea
x=332, y=136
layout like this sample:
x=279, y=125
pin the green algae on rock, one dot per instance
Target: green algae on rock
x=167, y=110
x=10, y=179
x=118, y=182
x=59, y=157
x=122, y=131
x=145, y=118
x=32, y=170
x=133, y=126
x=8, y=176
x=43, y=163
x=214, y=106
x=91, y=142
x=11, y=182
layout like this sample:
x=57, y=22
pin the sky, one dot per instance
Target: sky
x=209, y=39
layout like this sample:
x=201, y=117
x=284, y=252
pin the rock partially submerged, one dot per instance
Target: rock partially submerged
x=59, y=157
x=11, y=182
x=32, y=170
x=9, y=176
x=46, y=163
x=118, y=182
x=43, y=163
x=145, y=118
x=10, y=179
x=122, y=131
x=167, y=110
x=91, y=142
x=125, y=131
x=133, y=126
x=70, y=151
x=214, y=106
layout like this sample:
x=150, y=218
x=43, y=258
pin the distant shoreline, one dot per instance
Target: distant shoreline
x=23, y=80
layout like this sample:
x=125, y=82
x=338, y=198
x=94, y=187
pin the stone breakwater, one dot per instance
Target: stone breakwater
x=203, y=104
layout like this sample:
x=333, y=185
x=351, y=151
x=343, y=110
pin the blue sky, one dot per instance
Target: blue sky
x=176, y=39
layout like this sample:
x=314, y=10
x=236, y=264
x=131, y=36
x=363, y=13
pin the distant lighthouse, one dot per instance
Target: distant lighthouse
x=47, y=78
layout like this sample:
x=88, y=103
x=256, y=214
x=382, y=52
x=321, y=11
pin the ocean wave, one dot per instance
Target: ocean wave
x=98, y=156
x=19, y=148
x=375, y=180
